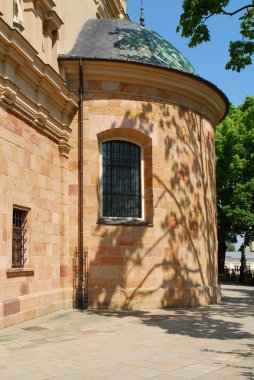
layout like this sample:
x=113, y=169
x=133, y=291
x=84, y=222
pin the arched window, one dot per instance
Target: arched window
x=121, y=179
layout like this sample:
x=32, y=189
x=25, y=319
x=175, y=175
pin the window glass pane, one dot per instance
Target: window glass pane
x=121, y=179
x=18, y=238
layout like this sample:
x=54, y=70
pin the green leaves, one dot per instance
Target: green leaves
x=240, y=55
x=193, y=20
x=235, y=172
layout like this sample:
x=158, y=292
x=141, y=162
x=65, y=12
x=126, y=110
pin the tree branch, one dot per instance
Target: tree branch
x=204, y=19
x=237, y=11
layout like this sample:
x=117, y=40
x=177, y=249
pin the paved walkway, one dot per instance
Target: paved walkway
x=215, y=342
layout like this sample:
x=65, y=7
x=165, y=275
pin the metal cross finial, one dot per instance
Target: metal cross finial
x=142, y=18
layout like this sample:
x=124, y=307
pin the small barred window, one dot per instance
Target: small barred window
x=19, y=232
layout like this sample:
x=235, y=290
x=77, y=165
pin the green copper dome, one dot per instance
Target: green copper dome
x=121, y=40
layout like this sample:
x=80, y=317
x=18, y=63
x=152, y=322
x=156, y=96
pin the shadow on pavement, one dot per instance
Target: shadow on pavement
x=212, y=322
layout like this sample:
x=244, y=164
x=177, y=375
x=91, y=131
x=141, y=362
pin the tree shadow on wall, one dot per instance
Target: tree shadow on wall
x=192, y=186
x=132, y=262
x=172, y=264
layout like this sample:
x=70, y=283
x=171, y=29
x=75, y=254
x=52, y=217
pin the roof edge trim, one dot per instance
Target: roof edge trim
x=193, y=76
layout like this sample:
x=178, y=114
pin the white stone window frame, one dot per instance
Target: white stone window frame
x=113, y=218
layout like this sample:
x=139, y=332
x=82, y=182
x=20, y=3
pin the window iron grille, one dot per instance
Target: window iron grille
x=121, y=179
x=19, y=233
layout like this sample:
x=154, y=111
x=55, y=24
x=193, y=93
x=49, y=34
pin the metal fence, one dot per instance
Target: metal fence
x=236, y=272
x=80, y=280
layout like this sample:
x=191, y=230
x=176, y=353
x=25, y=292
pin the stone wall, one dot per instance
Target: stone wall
x=34, y=176
x=48, y=26
x=172, y=261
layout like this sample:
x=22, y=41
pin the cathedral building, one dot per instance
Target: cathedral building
x=107, y=164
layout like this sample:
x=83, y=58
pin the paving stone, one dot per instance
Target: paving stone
x=202, y=368
x=217, y=345
x=123, y=377
x=185, y=374
x=145, y=373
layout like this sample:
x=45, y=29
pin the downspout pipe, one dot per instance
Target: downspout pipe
x=81, y=280
x=81, y=298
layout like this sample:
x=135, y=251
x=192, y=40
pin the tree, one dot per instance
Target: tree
x=193, y=25
x=230, y=246
x=235, y=177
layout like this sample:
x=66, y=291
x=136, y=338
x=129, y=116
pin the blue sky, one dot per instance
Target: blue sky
x=208, y=59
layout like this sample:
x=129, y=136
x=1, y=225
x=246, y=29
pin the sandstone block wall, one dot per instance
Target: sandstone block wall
x=169, y=262
x=173, y=262
x=32, y=175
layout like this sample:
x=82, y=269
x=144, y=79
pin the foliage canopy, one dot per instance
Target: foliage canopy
x=193, y=25
x=235, y=173
x=230, y=247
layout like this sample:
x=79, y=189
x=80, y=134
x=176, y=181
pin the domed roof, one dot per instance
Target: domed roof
x=121, y=40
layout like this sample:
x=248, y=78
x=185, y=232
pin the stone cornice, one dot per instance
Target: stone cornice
x=33, y=113
x=53, y=20
x=179, y=88
x=111, y=9
x=43, y=8
x=46, y=5
x=64, y=148
x=33, y=89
